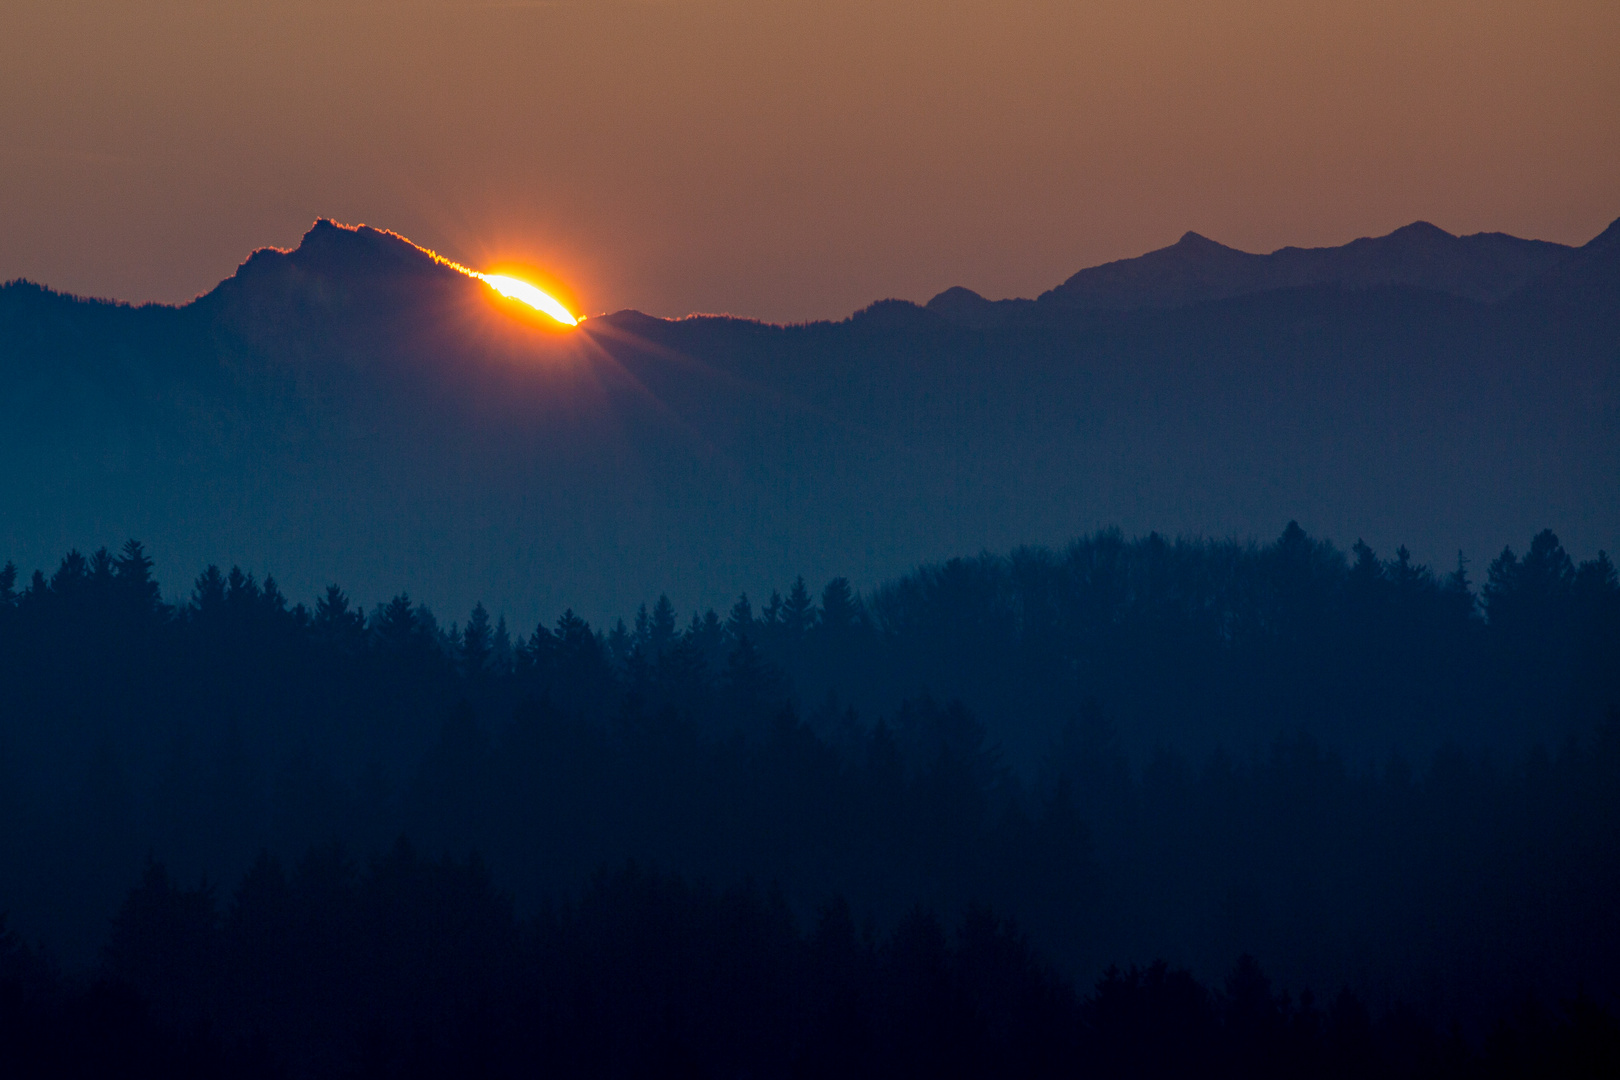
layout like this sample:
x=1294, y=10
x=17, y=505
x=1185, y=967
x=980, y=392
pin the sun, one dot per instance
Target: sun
x=515, y=289
x=522, y=290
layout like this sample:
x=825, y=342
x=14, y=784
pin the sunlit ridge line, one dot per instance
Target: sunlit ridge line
x=522, y=290
x=515, y=289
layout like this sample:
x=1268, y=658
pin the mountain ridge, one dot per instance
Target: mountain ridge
x=1486, y=267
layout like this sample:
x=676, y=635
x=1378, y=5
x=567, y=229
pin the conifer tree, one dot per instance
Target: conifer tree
x=798, y=612
x=740, y=623
x=477, y=643
x=208, y=592
x=840, y=609
x=661, y=629
x=396, y=627
x=133, y=571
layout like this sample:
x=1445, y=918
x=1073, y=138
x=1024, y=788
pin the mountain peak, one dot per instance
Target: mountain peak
x=965, y=307
x=1423, y=230
x=1193, y=240
x=334, y=247
x=324, y=225
x=892, y=314
x=959, y=304
x=337, y=265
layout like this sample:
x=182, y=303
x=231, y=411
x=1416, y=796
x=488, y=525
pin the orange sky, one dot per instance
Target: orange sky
x=787, y=159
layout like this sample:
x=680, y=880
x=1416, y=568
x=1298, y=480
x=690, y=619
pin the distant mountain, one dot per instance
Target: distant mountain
x=965, y=307
x=1483, y=267
x=357, y=409
x=1588, y=280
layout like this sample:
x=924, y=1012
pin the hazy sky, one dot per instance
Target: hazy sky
x=787, y=159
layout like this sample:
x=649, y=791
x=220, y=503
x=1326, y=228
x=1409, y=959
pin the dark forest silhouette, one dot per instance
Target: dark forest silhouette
x=406, y=966
x=1364, y=774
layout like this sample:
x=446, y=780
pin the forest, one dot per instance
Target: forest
x=1133, y=807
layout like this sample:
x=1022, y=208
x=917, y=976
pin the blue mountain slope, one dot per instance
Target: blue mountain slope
x=355, y=409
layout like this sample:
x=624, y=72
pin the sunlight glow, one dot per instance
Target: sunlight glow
x=522, y=290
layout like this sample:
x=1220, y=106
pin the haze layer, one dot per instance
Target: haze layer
x=357, y=409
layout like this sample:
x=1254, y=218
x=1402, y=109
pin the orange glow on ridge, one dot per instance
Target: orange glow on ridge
x=513, y=288
x=522, y=290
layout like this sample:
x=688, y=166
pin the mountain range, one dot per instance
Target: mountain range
x=1484, y=267
x=357, y=409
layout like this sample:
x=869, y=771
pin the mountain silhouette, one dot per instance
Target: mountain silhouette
x=1588, y=280
x=358, y=407
x=1484, y=267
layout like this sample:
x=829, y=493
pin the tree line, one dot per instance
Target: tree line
x=403, y=965
x=1359, y=771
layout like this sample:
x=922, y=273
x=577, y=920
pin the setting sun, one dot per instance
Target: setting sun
x=522, y=290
